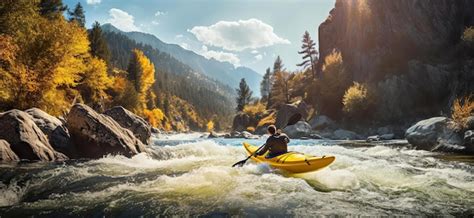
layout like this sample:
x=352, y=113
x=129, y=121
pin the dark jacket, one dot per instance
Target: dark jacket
x=276, y=144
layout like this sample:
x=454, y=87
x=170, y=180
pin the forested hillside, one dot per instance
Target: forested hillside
x=223, y=72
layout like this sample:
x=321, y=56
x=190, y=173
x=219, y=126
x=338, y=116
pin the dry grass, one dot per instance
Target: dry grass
x=254, y=109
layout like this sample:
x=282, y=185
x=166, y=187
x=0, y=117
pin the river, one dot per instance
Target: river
x=187, y=175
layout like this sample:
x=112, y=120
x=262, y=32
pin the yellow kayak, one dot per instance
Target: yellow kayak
x=292, y=161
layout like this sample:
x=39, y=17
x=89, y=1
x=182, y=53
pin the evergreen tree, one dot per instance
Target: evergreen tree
x=265, y=85
x=142, y=73
x=277, y=65
x=244, y=94
x=52, y=8
x=281, y=89
x=99, y=47
x=77, y=15
x=309, y=54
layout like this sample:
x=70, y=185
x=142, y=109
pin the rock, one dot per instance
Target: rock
x=383, y=130
x=469, y=138
x=298, y=130
x=96, y=135
x=155, y=130
x=470, y=123
x=342, y=134
x=359, y=29
x=321, y=122
x=242, y=121
x=128, y=120
x=6, y=153
x=289, y=114
x=213, y=134
x=437, y=133
x=373, y=138
x=25, y=138
x=388, y=136
x=315, y=136
x=55, y=129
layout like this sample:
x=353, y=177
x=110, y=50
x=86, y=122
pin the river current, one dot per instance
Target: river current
x=187, y=175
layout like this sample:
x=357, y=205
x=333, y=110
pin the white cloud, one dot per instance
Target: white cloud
x=254, y=52
x=122, y=20
x=259, y=57
x=155, y=23
x=93, y=2
x=238, y=35
x=158, y=13
x=220, y=56
x=179, y=36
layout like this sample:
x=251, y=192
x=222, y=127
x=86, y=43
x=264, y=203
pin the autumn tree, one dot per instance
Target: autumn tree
x=141, y=72
x=52, y=8
x=310, y=55
x=95, y=83
x=281, y=89
x=244, y=94
x=77, y=15
x=98, y=44
x=265, y=85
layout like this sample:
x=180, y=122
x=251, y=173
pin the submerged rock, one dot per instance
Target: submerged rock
x=342, y=134
x=128, y=120
x=298, y=130
x=25, y=138
x=55, y=129
x=96, y=135
x=6, y=153
x=437, y=133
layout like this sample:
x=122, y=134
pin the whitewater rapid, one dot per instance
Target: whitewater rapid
x=186, y=175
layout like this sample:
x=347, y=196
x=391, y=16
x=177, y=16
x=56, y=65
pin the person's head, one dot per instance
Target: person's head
x=272, y=129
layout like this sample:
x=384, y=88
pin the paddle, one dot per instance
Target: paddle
x=242, y=162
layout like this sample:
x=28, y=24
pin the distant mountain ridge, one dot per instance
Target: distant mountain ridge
x=223, y=72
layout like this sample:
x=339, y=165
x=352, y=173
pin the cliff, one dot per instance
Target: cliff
x=376, y=36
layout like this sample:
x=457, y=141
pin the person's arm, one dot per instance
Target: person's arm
x=262, y=151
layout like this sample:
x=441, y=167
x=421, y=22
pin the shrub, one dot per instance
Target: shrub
x=468, y=40
x=356, y=101
x=462, y=109
x=154, y=117
x=268, y=120
x=210, y=126
x=255, y=109
x=251, y=129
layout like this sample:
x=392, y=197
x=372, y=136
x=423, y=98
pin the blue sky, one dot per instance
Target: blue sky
x=247, y=33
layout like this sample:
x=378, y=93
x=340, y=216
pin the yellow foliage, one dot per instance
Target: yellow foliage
x=146, y=76
x=462, y=109
x=468, y=35
x=254, y=109
x=96, y=80
x=251, y=129
x=355, y=99
x=268, y=120
x=210, y=126
x=154, y=117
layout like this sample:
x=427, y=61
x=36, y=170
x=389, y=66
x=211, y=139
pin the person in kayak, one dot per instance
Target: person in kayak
x=276, y=144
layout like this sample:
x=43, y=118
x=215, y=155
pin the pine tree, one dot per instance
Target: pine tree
x=52, y=8
x=77, y=15
x=99, y=47
x=244, y=94
x=277, y=65
x=309, y=54
x=281, y=89
x=265, y=85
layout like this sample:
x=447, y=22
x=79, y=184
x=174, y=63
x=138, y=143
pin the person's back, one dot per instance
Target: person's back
x=276, y=144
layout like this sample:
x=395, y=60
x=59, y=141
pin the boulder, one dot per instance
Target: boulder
x=155, y=130
x=321, y=122
x=342, y=134
x=212, y=134
x=6, y=153
x=128, y=120
x=298, y=130
x=290, y=114
x=383, y=130
x=373, y=138
x=469, y=138
x=25, y=138
x=470, y=123
x=55, y=129
x=242, y=121
x=249, y=135
x=315, y=136
x=96, y=135
x=388, y=136
x=437, y=133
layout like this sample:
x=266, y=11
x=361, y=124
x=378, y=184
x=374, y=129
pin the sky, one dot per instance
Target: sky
x=250, y=33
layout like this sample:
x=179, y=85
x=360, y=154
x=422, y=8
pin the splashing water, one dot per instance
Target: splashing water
x=186, y=175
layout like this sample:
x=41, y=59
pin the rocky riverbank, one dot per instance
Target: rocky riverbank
x=35, y=135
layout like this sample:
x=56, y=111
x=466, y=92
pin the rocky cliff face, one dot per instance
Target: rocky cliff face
x=380, y=35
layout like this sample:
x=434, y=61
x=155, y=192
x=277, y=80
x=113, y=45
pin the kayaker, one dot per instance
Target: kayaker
x=277, y=143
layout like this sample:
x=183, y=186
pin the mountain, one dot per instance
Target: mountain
x=223, y=72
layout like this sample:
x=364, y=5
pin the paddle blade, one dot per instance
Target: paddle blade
x=240, y=163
